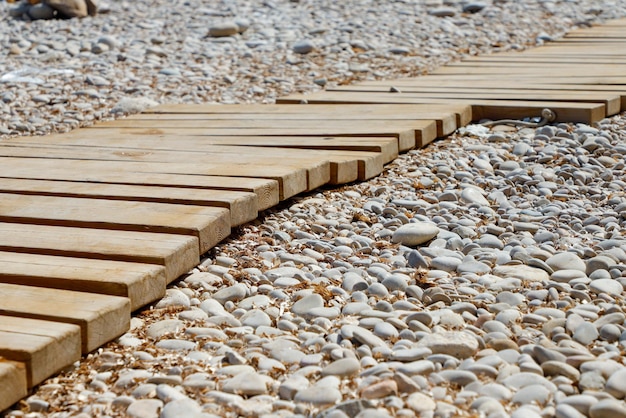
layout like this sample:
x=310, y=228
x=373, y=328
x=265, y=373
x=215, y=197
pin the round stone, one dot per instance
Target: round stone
x=566, y=261
x=414, y=234
x=454, y=343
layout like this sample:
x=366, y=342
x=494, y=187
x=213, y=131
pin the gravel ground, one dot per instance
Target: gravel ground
x=481, y=277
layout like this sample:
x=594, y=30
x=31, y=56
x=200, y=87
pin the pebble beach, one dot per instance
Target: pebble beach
x=482, y=276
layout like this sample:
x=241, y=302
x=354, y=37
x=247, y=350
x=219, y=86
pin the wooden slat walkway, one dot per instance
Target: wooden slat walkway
x=96, y=223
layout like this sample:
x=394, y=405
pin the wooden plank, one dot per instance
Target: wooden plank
x=178, y=254
x=101, y=318
x=266, y=190
x=612, y=101
x=14, y=386
x=209, y=225
x=140, y=283
x=45, y=347
x=409, y=134
x=290, y=181
x=243, y=206
x=446, y=121
x=501, y=78
x=316, y=163
x=369, y=164
x=343, y=168
x=344, y=111
x=388, y=146
x=481, y=109
x=553, y=70
x=406, y=139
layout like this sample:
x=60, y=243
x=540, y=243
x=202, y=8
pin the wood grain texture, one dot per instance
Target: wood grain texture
x=140, y=283
x=209, y=225
x=100, y=318
x=44, y=347
x=13, y=386
x=178, y=254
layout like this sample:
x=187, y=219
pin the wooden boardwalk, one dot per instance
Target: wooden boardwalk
x=94, y=224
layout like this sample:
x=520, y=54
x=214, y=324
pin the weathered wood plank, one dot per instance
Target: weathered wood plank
x=45, y=347
x=290, y=181
x=178, y=254
x=316, y=164
x=140, y=283
x=100, y=318
x=612, y=100
x=325, y=111
x=209, y=225
x=388, y=146
x=13, y=386
x=446, y=121
x=481, y=109
x=243, y=206
x=409, y=134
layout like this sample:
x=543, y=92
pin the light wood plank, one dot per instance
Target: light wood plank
x=140, y=283
x=446, y=121
x=243, y=206
x=209, y=225
x=290, y=181
x=553, y=70
x=409, y=134
x=315, y=164
x=100, y=318
x=481, y=109
x=343, y=167
x=45, y=347
x=612, y=101
x=178, y=254
x=323, y=111
x=387, y=146
x=13, y=386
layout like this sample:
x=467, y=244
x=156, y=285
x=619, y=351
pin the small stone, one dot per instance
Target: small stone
x=522, y=272
x=144, y=408
x=174, y=298
x=442, y=12
x=256, y=318
x=246, y=384
x=69, y=8
x=345, y=367
x=319, y=394
x=611, y=287
x=176, y=345
x=41, y=11
x=454, y=343
x=473, y=195
x=381, y=389
x=421, y=403
x=586, y=333
x=186, y=407
x=616, y=384
x=474, y=7
x=165, y=327
x=566, y=261
x=537, y=394
x=608, y=408
x=232, y=293
x=303, y=306
x=224, y=29
x=303, y=47
x=558, y=368
x=414, y=234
